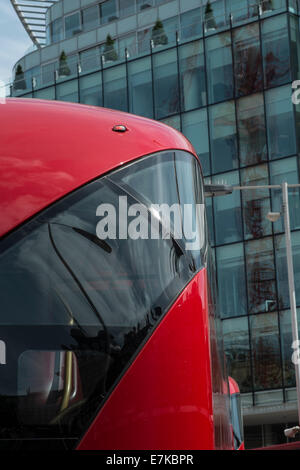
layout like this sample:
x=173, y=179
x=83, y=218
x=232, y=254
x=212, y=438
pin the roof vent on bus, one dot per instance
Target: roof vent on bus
x=120, y=128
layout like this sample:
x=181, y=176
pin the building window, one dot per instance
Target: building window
x=56, y=30
x=166, y=86
x=144, y=4
x=252, y=130
x=247, y=60
x=280, y=171
x=219, y=68
x=276, y=51
x=223, y=137
x=280, y=122
x=115, y=88
x=237, y=351
x=109, y=11
x=286, y=342
x=72, y=25
x=68, y=91
x=194, y=127
x=281, y=265
x=48, y=73
x=261, y=275
x=90, y=18
x=192, y=76
x=191, y=24
x=266, y=351
x=90, y=60
x=127, y=42
x=227, y=212
x=231, y=280
x=140, y=87
x=91, y=89
x=256, y=203
x=126, y=7
x=240, y=9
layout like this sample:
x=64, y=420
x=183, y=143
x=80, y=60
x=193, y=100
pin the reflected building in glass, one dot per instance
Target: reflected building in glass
x=224, y=78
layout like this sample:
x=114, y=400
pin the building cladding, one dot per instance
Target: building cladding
x=222, y=74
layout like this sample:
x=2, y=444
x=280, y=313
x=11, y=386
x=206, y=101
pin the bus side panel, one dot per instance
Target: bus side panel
x=164, y=400
x=220, y=386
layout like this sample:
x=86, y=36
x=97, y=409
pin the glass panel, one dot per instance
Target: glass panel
x=129, y=43
x=281, y=171
x=115, y=88
x=223, y=137
x=68, y=91
x=219, y=68
x=214, y=15
x=191, y=24
x=231, y=280
x=280, y=122
x=247, y=60
x=173, y=121
x=286, y=347
x=127, y=7
x=241, y=9
x=281, y=266
x=90, y=60
x=252, y=130
x=227, y=210
x=256, y=202
x=261, y=275
x=109, y=11
x=166, y=90
x=166, y=183
x=91, y=89
x=109, y=50
x=276, y=51
x=72, y=25
x=237, y=351
x=46, y=94
x=144, y=38
x=57, y=30
x=144, y=4
x=192, y=76
x=48, y=73
x=266, y=351
x=194, y=127
x=295, y=47
x=171, y=26
x=91, y=18
x=68, y=66
x=140, y=87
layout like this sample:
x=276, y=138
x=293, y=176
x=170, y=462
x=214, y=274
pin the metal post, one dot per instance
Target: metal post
x=291, y=280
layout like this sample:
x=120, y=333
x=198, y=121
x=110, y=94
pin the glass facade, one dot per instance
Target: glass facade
x=225, y=82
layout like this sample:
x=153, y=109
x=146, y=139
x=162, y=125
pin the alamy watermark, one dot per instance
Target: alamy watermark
x=296, y=93
x=159, y=221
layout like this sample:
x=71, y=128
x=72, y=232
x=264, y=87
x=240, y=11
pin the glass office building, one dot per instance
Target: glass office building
x=221, y=73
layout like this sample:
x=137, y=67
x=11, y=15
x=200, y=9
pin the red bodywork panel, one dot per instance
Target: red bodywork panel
x=164, y=400
x=50, y=148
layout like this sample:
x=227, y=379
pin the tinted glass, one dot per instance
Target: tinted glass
x=76, y=308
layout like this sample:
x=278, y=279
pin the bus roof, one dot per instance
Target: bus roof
x=50, y=148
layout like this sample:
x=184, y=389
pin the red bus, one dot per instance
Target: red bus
x=104, y=343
